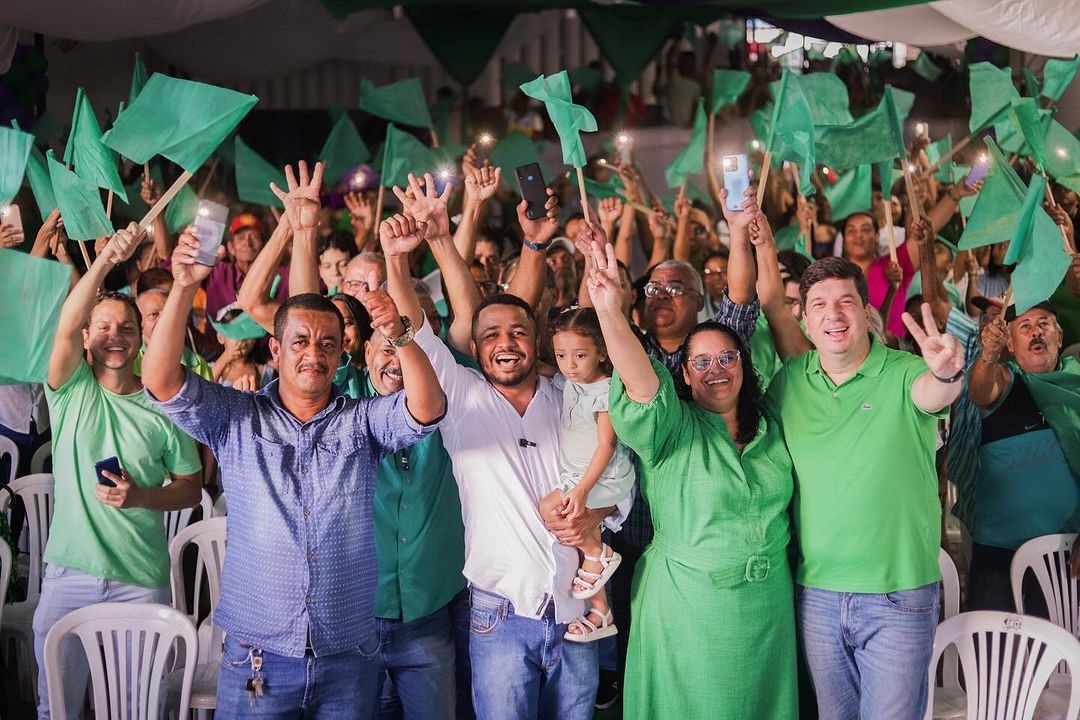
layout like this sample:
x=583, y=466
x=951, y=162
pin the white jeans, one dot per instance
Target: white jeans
x=62, y=591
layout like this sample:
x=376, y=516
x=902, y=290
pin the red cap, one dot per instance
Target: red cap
x=245, y=220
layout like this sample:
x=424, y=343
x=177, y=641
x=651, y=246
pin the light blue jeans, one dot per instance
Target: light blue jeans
x=523, y=668
x=344, y=686
x=868, y=655
x=62, y=591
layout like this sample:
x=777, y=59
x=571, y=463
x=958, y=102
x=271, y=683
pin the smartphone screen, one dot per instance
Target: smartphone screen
x=10, y=215
x=210, y=219
x=111, y=465
x=533, y=190
x=978, y=170
x=736, y=179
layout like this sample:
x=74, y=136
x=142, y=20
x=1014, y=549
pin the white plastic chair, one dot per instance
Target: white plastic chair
x=209, y=538
x=9, y=449
x=949, y=695
x=177, y=520
x=40, y=457
x=1007, y=661
x=1047, y=558
x=5, y=574
x=36, y=492
x=129, y=647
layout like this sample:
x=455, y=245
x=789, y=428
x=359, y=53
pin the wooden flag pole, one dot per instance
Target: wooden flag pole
x=159, y=206
x=636, y=205
x=209, y=175
x=890, y=230
x=912, y=195
x=1053, y=203
x=146, y=172
x=764, y=177
x=434, y=138
x=949, y=155
x=584, y=195
x=108, y=205
x=378, y=215
x=85, y=255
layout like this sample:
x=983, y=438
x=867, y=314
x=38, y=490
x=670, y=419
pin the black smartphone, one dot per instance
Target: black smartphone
x=533, y=190
x=112, y=465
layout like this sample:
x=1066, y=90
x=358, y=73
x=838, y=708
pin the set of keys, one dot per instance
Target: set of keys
x=254, y=684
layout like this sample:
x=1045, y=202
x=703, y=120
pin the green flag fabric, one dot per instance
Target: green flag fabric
x=692, y=158
x=826, y=94
x=997, y=206
x=793, y=122
x=254, y=175
x=1063, y=156
x=443, y=27
x=182, y=120
x=440, y=117
x=92, y=160
x=727, y=87
x=992, y=93
x=31, y=297
x=1032, y=86
x=570, y=120
x=629, y=36
x=241, y=327
x=80, y=204
x=1025, y=115
x=37, y=173
x=343, y=150
x=15, y=148
x=1057, y=394
x=403, y=154
x=937, y=150
x=1038, y=250
x=851, y=193
x=181, y=211
x=401, y=102
x=612, y=187
x=873, y=138
x=926, y=68
x=515, y=150
x=1057, y=74
x=139, y=78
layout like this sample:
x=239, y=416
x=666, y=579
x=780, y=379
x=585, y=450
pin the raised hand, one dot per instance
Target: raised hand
x=302, y=200
x=469, y=162
x=400, y=235
x=894, y=274
x=941, y=351
x=361, y=212
x=149, y=192
x=426, y=205
x=660, y=226
x=482, y=183
x=542, y=229
x=1060, y=217
x=605, y=288
x=961, y=189
x=609, y=211
x=10, y=236
x=741, y=218
x=186, y=270
x=122, y=244
x=380, y=306
x=993, y=338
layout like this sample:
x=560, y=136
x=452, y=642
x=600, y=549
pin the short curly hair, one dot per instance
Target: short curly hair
x=117, y=296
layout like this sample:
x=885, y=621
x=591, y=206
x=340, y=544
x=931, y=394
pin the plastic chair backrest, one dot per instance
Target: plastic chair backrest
x=5, y=573
x=42, y=457
x=36, y=492
x=1047, y=558
x=209, y=537
x=177, y=520
x=9, y=450
x=1007, y=661
x=950, y=607
x=129, y=647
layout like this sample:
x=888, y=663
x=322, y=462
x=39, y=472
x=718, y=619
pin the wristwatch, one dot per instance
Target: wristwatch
x=536, y=247
x=406, y=337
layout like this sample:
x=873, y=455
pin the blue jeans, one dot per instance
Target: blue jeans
x=331, y=687
x=417, y=667
x=868, y=654
x=460, y=619
x=524, y=669
x=63, y=590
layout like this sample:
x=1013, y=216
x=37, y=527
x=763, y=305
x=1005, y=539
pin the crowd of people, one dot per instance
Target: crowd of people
x=482, y=463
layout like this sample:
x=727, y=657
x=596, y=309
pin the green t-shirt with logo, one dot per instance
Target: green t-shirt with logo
x=90, y=423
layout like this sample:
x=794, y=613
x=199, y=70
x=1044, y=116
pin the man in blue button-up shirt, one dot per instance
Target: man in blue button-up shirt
x=298, y=463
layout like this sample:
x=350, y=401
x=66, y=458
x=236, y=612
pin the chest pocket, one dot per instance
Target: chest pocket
x=272, y=465
x=334, y=470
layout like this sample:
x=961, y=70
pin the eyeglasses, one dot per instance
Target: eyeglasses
x=352, y=286
x=673, y=290
x=716, y=271
x=727, y=360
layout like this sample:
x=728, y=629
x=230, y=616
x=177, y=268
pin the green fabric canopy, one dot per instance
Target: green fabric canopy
x=443, y=28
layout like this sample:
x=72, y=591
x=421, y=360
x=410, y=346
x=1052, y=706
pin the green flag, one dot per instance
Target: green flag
x=343, y=150
x=1063, y=156
x=440, y=117
x=793, y=122
x=570, y=120
x=825, y=93
x=92, y=160
x=992, y=93
x=14, y=153
x=139, y=77
x=1057, y=394
x=401, y=102
x=727, y=87
x=851, y=193
x=926, y=68
x=1032, y=87
x=997, y=206
x=181, y=211
x=1025, y=115
x=937, y=150
x=182, y=120
x=1037, y=249
x=254, y=175
x=79, y=202
x=692, y=158
x=31, y=297
x=515, y=150
x=403, y=154
x=1057, y=74
x=873, y=138
x=613, y=187
x=37, y=173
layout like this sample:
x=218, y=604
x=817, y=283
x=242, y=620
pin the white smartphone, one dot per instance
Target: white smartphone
x=210, y=219
x=736, y=179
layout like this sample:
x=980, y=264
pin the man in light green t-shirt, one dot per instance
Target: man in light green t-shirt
x=860, y=422
x=107, y=543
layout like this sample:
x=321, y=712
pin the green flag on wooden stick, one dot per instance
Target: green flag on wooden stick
x=1057, y=74
x=1063, y=156
x=15, y=148
x=139, y=78
x=692, y=158
x=79, y=202
x=403, y=154
x=997, y=206
x=400, y=102
x=1037, y=249
x=570, y=120
x=343, y=150
x=31, y=297
x=1032, y=124
x=91, y=159
x=254, y=175
x=992, y=93
x=37, y=173
x=851, y=193
x=793, y=122
x=727, y=87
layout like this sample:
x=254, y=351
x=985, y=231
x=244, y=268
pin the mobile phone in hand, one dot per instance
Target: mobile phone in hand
x=533, y=190
x=10, y=215
x=110, y=464
x=210, y=219
x=736, y=179
x=978, y=170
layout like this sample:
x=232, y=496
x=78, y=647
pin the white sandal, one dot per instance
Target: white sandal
x=590, y=632
x=587, y=584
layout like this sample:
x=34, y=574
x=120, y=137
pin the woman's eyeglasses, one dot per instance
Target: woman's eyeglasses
x=727, y=360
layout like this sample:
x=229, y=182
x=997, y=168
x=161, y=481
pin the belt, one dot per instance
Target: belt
x=725, y=570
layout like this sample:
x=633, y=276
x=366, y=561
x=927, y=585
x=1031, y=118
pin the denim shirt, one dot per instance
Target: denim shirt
x=300, y=570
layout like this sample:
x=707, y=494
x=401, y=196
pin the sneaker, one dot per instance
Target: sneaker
x=607, y=694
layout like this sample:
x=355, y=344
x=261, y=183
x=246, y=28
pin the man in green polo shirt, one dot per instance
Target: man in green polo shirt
x=108, y=543
x=860, y=422
x=420, y=543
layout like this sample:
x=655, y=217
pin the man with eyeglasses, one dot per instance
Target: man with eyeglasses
x=359, y=270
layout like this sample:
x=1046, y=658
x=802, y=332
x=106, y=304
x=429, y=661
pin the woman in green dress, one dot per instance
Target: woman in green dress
x=713, y=633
